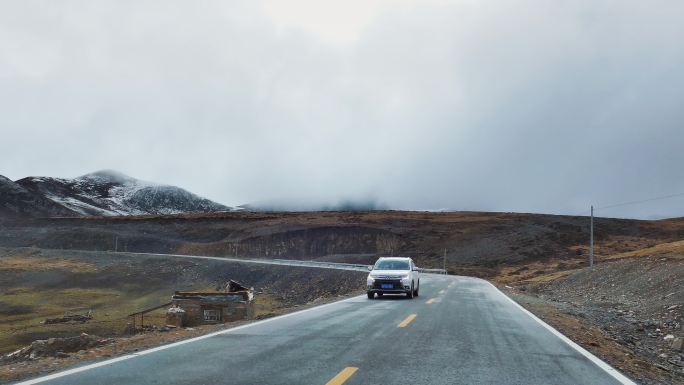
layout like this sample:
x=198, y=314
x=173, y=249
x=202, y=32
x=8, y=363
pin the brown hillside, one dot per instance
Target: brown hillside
x=476, y=243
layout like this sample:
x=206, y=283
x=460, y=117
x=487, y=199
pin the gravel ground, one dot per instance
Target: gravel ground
x=631, y=308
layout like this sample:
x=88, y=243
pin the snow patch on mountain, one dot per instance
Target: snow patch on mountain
x=18, y=201
x=111, y=193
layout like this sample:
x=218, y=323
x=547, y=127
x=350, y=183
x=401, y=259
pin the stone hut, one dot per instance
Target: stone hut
x=236, y=302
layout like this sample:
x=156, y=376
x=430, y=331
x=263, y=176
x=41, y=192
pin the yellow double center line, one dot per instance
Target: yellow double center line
x=347, y=372
x=342, y=376
x=407, y=321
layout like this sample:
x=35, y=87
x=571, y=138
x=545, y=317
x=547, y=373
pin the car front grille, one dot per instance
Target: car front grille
x=389, y=277
x=396, y=284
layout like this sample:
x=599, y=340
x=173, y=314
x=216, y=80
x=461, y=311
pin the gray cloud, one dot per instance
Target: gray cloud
x=510, y=106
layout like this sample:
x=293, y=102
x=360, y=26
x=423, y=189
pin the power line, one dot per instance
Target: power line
x=639, y=201
x=591, y=231
x=591, y=225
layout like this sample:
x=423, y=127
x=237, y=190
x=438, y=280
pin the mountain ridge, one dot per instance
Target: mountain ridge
x=17, y=201
x=101, y=193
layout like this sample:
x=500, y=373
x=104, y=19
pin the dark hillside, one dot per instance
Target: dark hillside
x=481, y=241
x=15, y=200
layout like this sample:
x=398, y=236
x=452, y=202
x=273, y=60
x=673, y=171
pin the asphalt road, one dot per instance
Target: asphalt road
x=458, y=331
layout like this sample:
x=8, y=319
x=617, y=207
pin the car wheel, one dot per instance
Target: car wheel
x=415, y=293
x=370, y=295
x=410, y=293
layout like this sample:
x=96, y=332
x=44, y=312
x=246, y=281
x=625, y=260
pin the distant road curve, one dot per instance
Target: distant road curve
x=290, y=262
x=260, y=261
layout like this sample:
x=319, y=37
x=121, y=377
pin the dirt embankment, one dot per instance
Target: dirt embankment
x=480, y=244
x=39, y=284
x=628, y=310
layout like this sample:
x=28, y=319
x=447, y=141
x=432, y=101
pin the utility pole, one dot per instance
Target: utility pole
x=591, y=239
x=444, y=261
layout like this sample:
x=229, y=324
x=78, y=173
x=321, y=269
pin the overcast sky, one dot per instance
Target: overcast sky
x=534, y=106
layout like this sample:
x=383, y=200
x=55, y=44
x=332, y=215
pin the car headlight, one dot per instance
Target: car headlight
x=404, y=277
x=370, y=280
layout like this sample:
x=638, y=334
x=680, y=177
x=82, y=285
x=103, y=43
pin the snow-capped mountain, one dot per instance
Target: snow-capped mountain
x=111, y=193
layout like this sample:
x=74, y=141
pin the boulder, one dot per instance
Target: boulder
x=677, y=344
x=55, y=347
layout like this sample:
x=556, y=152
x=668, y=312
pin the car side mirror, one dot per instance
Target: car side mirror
x=370, y=268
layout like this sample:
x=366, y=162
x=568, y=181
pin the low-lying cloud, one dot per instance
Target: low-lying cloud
x=509, y=106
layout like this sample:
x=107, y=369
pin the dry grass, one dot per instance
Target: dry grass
x=549, y=276
x=538, y=272
x=110, y=308
x=26, y=303
x=670, y=249
x=31, y=263
x=550, y=270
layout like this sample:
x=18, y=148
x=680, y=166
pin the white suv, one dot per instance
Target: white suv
x=393, y=276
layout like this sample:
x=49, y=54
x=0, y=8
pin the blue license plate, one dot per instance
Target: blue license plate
x=386, y=286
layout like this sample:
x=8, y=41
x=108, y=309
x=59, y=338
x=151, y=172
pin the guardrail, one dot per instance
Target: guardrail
x=344, y=266
x=333, y=265
x=285, y=262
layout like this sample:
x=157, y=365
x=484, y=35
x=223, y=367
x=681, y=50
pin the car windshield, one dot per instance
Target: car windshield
x=392, y=265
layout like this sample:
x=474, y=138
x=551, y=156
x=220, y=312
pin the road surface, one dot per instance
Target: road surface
x=458, y=331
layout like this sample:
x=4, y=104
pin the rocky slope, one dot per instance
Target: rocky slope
x=15, y=200
x=103, y=193
x=629, y=310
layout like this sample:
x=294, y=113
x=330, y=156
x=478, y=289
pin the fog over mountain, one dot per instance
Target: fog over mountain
x=526, y=105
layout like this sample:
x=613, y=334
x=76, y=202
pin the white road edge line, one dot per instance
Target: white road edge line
x=174, y=344
x=597, y=361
